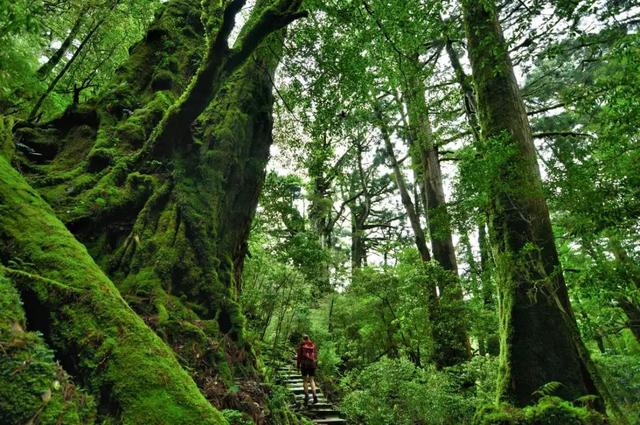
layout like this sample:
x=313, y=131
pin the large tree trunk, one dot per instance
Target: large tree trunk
x=100, y=340
x=539, y=338
x=171, y=228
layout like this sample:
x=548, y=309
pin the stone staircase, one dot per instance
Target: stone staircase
x=322, y=412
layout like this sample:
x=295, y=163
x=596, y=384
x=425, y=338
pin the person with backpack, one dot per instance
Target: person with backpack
x=307, y=360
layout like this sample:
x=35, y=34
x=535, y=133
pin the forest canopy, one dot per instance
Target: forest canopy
x=443, y=194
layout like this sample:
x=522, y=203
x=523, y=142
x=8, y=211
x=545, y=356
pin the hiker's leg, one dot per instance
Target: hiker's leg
x=305, y=385
x=313, y=390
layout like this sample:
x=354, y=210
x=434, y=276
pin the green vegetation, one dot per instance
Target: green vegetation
x=444, y=194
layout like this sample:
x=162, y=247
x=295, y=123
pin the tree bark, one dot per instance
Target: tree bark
x=425, y=149
x=532, y=294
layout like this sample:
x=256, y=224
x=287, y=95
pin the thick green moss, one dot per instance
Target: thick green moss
x=32, y=384
x=90, y=326
x=99, y=159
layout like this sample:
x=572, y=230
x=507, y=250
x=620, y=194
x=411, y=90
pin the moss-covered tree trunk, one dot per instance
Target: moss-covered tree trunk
x=539, y=338
x=98, y=338
x=165, y=206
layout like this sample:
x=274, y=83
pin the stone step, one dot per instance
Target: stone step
x=333, y=420
x=318, y=406
x=300, y=390
x=320, y=413
x=313, y=410
x=300, y=396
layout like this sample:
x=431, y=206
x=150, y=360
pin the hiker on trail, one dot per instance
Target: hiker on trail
x=307, y=361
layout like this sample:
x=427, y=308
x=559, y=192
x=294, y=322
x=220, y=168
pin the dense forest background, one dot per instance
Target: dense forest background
x=444, y=194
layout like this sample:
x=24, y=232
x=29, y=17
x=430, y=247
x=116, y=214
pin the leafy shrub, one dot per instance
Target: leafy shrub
x=235, y=417
x=622, y=376
x=395, y=391
x=548, y=411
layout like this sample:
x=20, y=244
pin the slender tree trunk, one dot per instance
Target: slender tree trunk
x=448, y=332
x=63, y=71
x=466, y=87
x=358, y=251
x=532, y=294
x=439, y=221
x=410, y=209
x=47, y=67
x=492, y=342
x=450, y=323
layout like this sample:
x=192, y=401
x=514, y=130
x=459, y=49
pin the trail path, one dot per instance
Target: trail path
x=322, y=412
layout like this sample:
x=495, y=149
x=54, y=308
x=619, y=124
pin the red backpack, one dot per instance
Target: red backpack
x=309, y=356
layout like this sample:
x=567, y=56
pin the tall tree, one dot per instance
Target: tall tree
x=532, y=294
x=172, y=180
